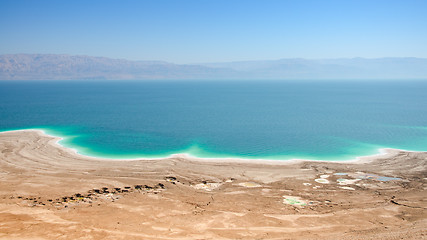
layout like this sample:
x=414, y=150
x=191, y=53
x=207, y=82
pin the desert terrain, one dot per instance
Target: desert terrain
x=50, y=192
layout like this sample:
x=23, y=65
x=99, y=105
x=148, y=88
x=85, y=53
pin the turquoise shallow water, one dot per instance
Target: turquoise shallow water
x=317, y=120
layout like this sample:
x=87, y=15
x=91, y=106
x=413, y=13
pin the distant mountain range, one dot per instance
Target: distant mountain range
x=61, y=67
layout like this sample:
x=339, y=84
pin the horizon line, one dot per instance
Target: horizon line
x=213, y=62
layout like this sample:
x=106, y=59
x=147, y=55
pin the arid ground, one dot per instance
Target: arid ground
x=50, y=192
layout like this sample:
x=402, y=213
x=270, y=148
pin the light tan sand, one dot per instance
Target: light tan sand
x=49, y=192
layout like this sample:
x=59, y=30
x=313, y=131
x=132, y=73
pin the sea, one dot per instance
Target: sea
x=276, y=120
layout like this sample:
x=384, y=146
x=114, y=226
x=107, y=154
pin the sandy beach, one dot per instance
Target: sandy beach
x=50, y=192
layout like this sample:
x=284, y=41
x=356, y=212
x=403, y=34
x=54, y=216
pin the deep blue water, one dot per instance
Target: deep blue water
x=324, y=120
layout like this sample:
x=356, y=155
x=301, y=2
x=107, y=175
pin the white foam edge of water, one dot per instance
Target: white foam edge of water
x=360, y=159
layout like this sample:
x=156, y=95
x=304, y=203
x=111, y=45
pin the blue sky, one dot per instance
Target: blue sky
x=218, y=30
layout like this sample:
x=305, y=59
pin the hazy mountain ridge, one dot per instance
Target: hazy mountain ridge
x=344, y=68
x=53, y=66
x=58, y=66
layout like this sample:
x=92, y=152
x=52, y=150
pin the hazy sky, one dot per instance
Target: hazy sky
x=193, y=31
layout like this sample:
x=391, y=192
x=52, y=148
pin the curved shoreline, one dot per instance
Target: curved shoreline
x=45, y=185
x=382, y=153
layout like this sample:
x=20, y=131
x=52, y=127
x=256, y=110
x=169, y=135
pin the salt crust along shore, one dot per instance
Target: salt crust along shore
x=51, y=192
x=382, y=153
